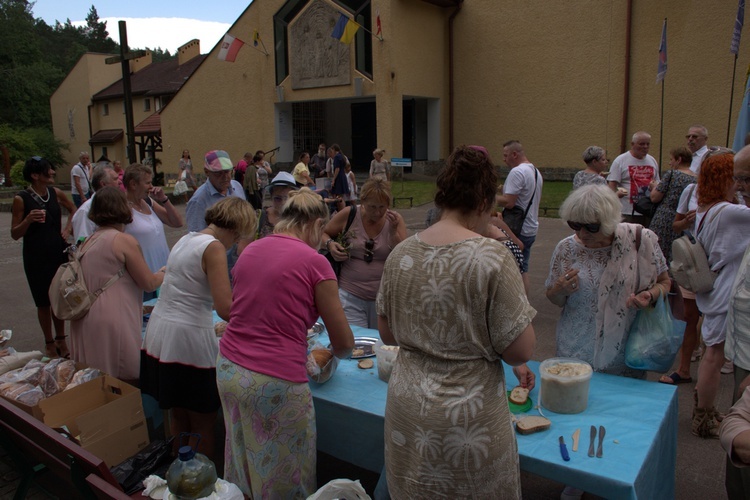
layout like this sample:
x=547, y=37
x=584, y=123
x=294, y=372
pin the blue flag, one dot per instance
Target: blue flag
x=662, y=69
x=743, y=122
x=738, y=22
x=345, y=29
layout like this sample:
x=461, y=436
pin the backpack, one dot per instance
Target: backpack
x=69, y=296
x=689, y=266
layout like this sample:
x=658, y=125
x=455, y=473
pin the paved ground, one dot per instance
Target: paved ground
x=700, y=463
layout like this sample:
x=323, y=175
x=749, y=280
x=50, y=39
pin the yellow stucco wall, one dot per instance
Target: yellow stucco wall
x=551, y=74
x=231, y=105
x=226, y=105
x=73, y=96
x=419, y=71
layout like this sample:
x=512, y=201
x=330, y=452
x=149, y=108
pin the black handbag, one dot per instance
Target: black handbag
x=336, y=265
x=645, y=206
x=515, y=217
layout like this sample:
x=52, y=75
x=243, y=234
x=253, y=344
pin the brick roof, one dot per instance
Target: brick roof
x=159, y=78
x=150, y=126
x=106, y=136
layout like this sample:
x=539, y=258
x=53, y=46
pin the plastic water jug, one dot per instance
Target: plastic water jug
x=192, y=475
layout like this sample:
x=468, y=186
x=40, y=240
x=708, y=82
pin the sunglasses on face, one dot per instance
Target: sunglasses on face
x=369, y=245
x=591, y=228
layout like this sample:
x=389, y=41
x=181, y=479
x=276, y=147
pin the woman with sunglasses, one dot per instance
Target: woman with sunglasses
x=37, y=219
x=374, y=232
x=600, y=276
x=280, y=187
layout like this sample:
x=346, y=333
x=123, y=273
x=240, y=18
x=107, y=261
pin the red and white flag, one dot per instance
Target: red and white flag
x=229, y=48
x=379, y=30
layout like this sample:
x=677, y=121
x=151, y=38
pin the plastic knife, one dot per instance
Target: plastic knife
x=576, y=436
x=564, y=450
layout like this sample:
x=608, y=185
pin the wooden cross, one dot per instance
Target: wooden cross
x=126, y=55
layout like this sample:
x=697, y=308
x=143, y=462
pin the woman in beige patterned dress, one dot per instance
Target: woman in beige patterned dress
x=455, y=303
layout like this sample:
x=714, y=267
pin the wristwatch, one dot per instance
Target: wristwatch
x=328, y=242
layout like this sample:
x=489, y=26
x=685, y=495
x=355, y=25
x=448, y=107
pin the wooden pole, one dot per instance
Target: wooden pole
x=731, y=100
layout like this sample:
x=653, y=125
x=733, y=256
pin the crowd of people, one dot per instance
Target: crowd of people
x=453, y=297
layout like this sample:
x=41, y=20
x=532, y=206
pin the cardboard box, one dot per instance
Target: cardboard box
x=104, y=414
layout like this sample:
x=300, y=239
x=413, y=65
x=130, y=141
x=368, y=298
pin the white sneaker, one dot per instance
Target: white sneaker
x=570, y=493
x=728, y=367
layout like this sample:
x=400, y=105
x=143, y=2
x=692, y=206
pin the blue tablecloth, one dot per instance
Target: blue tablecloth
x=641, y=416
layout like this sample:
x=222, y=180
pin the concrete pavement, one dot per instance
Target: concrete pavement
x=700, y=463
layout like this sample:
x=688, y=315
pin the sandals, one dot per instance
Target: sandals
x=60, y=349
x=62, y=346
x=675, y=378
x=51, y=352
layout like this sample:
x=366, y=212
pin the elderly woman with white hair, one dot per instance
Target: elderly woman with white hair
x=596, y=161
x=600, y=276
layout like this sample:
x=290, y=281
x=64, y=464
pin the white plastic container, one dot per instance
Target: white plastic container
x=565, y=385
x=385, y=356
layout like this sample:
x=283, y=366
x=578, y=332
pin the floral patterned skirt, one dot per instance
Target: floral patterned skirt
x=270, y=433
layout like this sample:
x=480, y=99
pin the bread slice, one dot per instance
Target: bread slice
x=532, y=424
x=519, y=395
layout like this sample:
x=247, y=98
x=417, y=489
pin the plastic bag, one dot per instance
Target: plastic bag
x=340, y=488
x=315, y=372
x=153, y=459
x=654, y=338
x=180, y=187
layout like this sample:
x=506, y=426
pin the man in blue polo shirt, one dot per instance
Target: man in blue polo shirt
x=218, y=167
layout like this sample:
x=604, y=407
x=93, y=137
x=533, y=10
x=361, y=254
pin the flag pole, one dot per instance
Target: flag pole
x=661, y=73
x=661, y=128
x=379, y=37
x=731, y=99
x=734, y=48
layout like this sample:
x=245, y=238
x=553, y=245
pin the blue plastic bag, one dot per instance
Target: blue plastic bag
x=654, y=338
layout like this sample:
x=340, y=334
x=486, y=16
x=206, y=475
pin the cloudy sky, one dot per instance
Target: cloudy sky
x=161, y=23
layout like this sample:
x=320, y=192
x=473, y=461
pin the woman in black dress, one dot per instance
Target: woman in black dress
x=37, y=218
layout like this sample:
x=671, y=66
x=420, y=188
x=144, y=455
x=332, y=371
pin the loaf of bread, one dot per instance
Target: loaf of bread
x=322, y=356
x=532, y=424
x=519, y=395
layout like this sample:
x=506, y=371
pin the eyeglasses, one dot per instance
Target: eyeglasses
x=591, y=228
x=280, y=199
x=693, y=136
x=742, y=179
x=369, y=245
x=717, y=150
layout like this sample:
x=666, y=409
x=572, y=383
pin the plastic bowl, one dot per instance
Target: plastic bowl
x=385, y=355
x=565, y=392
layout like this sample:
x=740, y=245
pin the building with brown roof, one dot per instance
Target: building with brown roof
x=88, y=108
x=558, y=76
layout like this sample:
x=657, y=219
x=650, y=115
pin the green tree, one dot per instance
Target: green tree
x=158, y=54
x=96, y=34
x=23, y=144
